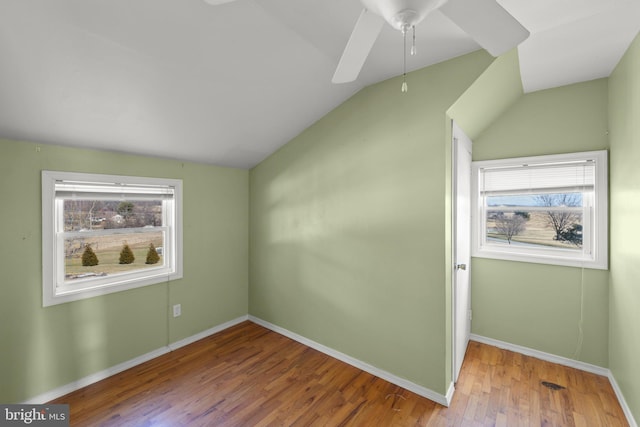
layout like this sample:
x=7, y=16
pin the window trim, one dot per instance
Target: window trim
x=55, y=293
x=598, y=259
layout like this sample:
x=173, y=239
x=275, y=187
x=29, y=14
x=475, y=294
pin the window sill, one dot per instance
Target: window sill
x=541, y=259
x=66, y=294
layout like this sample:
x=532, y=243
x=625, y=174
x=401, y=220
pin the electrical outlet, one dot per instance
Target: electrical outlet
x=177, y=310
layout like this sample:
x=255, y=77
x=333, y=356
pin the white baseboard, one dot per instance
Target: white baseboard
x=444, y=400
x=106, y=373
x=219, y=328
x=587, y=367
x=94, y=378
x=625, y=407
x=583, y=366
x=415, y=388
x=450, y=392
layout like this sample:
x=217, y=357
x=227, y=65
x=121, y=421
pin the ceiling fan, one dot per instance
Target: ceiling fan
x=486, y=21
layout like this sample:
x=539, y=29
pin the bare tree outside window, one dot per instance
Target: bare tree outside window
x=543, y=209
x=563, y=222
x=510, y=225
x=80, y=214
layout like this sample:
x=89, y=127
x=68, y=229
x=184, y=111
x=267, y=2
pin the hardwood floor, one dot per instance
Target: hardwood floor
x=250, y=376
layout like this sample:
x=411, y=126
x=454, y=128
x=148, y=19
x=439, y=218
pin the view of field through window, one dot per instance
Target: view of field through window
x=121, y=234
x=536, y=220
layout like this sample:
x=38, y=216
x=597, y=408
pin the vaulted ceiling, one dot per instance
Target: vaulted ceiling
x=230, y=84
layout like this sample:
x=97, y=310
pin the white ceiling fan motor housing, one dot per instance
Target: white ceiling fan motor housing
x=402, y=14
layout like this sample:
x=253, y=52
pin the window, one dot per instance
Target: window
x=104, y=233
x=545, y=209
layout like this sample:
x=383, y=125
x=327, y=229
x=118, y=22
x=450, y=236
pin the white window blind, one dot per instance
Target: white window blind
x=538, y=178
x=81, y=211
x=544, y=209
x=74, y=190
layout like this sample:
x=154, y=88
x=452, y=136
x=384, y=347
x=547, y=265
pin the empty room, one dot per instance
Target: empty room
x=339, y=212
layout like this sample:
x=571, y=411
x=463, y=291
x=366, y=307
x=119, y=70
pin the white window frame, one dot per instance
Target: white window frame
x=54, y=288
x=595, y=223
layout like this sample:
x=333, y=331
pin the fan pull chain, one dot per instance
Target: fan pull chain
x=413, y=43
x=404, y=64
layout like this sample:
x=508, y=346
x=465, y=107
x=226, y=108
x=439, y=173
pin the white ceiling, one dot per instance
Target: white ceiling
x=230, y=84
x=573, y=40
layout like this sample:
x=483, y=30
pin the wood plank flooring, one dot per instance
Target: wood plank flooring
x=250, y=376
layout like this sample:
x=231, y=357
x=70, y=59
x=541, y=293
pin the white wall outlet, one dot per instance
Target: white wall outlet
x=177, y=310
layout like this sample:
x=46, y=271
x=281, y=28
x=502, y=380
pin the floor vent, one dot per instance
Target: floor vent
x=552, y=386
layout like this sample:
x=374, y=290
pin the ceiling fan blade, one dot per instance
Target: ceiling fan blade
x=217, y=2
x=488, y=23
x=358, y=47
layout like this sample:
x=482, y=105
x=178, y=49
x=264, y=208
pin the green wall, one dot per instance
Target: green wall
x=348, y=245
x=45, y=348
x=624, y=289
x=489, y=96
x=347, y=226
x=483, y=102
x=535, y=305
